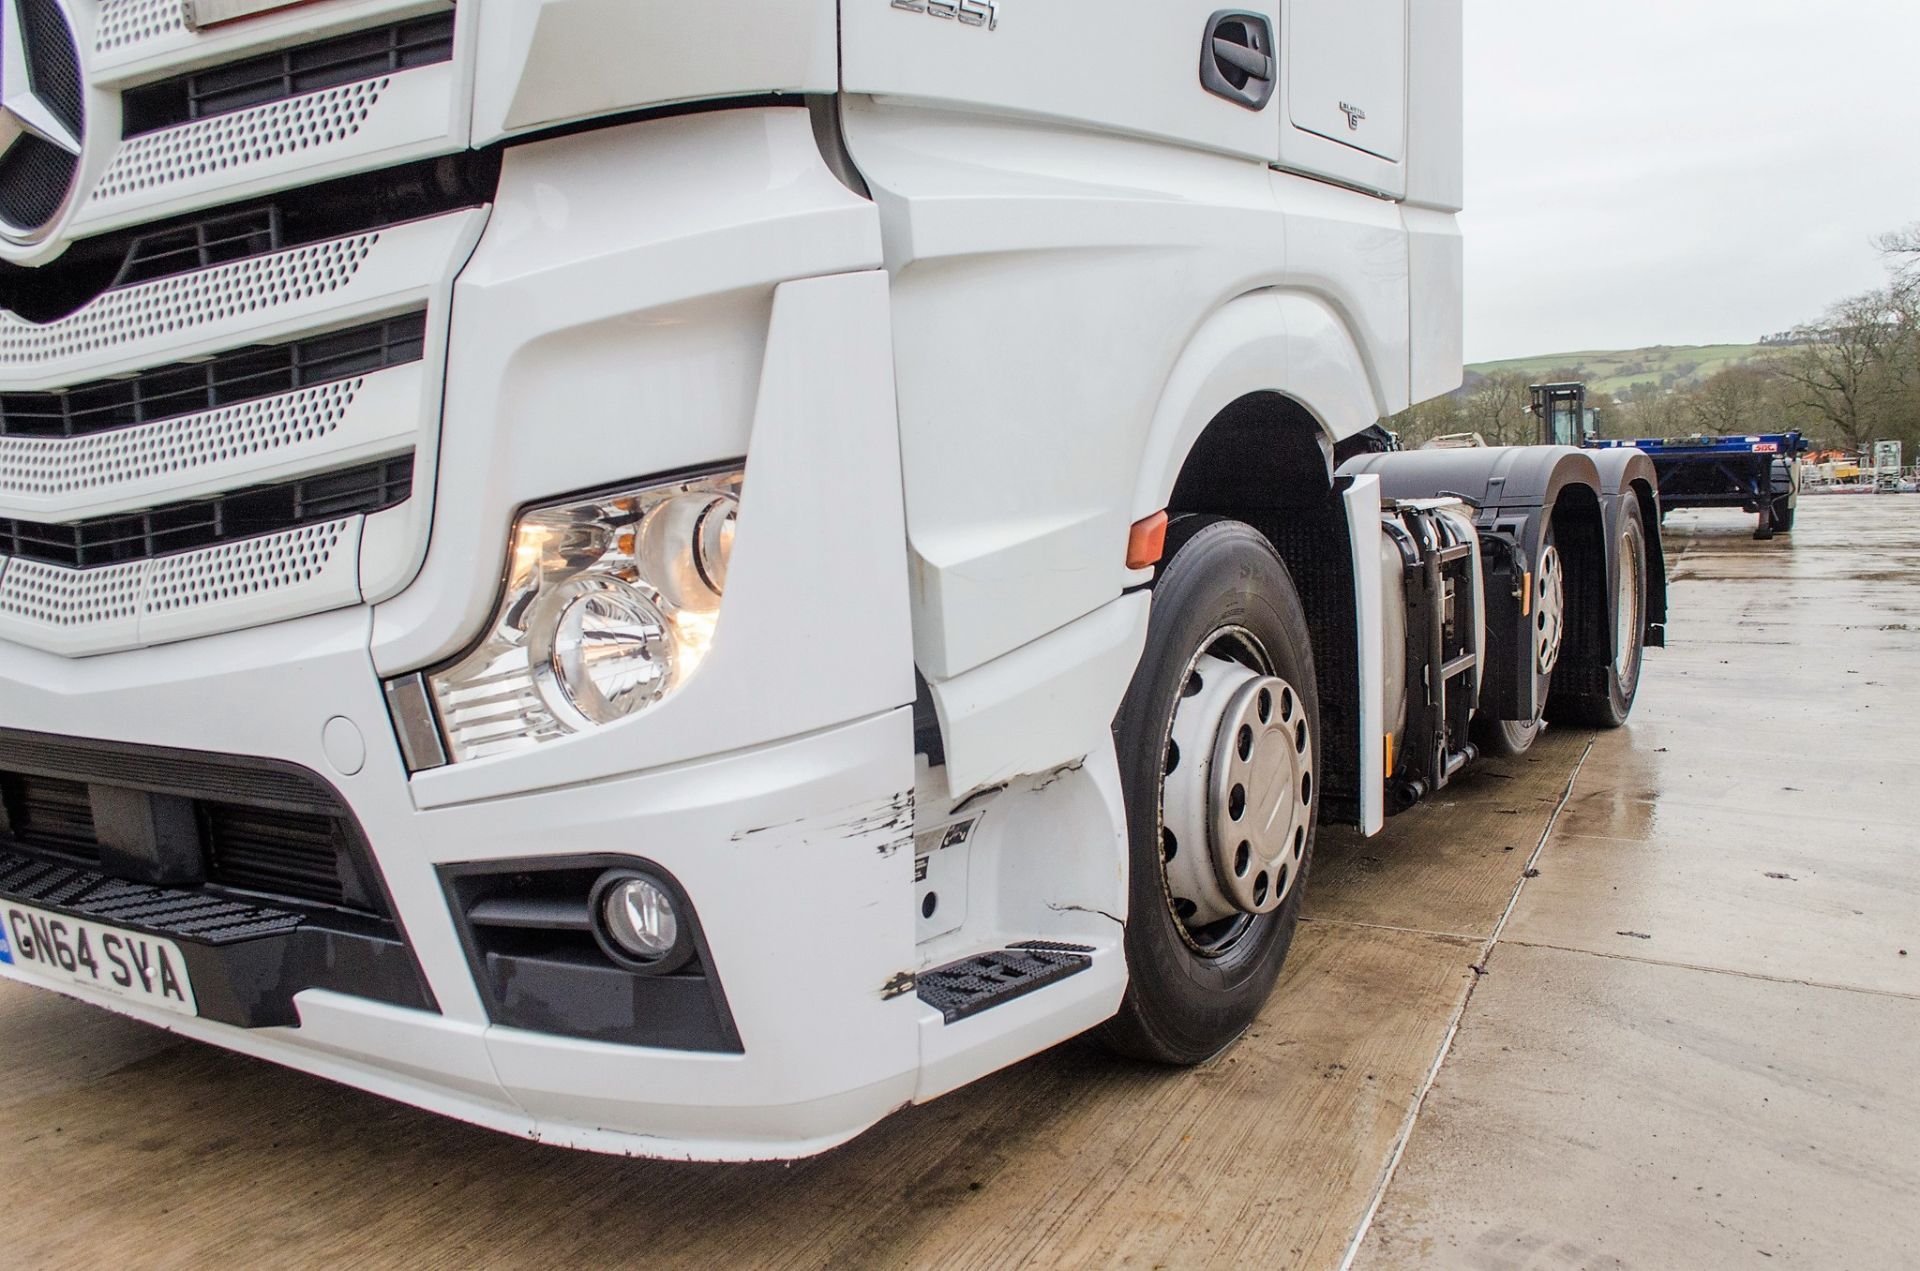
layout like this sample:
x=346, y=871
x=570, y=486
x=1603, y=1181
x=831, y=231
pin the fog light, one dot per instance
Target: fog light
x=637, y=923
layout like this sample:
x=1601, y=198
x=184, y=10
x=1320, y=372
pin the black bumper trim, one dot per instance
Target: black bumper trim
x=246, y=959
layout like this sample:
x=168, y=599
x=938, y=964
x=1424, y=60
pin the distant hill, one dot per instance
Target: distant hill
x=1612, y=373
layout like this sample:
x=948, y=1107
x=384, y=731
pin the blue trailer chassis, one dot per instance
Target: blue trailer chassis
x=1755, y=473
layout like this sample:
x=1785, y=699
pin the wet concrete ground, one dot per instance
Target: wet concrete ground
x=1690, y=1040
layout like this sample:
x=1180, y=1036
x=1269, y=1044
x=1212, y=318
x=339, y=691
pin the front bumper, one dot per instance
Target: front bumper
x=794, y=856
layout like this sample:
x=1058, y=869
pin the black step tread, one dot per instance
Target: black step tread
x=974, y=984
x=197, y=916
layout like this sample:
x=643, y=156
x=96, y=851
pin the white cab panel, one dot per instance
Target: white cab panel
x=1131, y=67
x=1045, y=282
x=545, y=62
x=1349, y=250
x=1436, y=278
x=1435, y=84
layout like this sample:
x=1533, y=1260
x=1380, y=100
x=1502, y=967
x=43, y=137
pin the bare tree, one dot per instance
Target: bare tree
x=1732, y=401
x=1653, y=412
x=1902, y=248
x=1497, y=410
x=1839, y=368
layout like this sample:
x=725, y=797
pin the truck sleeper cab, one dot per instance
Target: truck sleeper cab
x=675, y=597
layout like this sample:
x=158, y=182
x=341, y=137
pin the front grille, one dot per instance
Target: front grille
x=278, y=853
x=345, y=59
x=226, y=518
x=226, y=379
x=49, y=811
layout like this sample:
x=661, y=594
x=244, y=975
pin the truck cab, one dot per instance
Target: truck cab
x=674, y=587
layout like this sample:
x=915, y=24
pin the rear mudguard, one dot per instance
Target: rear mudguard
x=1628, y=476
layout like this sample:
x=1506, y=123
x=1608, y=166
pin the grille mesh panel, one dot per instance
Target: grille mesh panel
x=175, y=304
x=52, y=61
x=34, y=177
x=242, y=569
x=157, y=159
x=126, y=22
x=50, y=596
x=107, y=603
x=44, y=467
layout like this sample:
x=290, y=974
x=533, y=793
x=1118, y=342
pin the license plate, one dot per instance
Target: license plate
x=126, y=964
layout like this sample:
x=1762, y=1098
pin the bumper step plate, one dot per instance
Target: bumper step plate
x=986, y=980
x=246, y=960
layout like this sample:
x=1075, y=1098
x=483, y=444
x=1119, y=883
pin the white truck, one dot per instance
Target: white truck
x=673, y=578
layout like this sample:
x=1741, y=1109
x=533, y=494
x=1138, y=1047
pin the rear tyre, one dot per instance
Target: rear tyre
x=1602, y=697
x=1506, y=738
x=1218, y=740
x=1782, y=516
x=1547, y=609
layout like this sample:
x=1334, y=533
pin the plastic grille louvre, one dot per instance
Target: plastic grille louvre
x=51, y=811
x=273, y=77
x=65, y=598
x=252, y=373
x=177, y=304
x=242, y=569
x=201, y=244
x=44, y=467
x=126, y=22
x=237, y=517
x=284, y=853
x=207, y=146
x=215, y=920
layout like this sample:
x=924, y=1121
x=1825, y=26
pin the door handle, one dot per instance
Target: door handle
x=1237, y=58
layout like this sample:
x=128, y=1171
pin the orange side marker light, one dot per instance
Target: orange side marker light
x=1147, y=542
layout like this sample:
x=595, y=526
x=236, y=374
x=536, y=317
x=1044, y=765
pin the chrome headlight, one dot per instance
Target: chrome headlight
x=610, y=605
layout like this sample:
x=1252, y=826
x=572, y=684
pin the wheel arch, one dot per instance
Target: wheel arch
x=1290, y=350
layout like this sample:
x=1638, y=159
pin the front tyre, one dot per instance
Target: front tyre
x=1218, y=741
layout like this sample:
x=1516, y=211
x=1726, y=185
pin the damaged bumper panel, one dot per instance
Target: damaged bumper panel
x=774, y=1038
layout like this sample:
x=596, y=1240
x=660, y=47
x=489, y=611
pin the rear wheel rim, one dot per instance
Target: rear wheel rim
x=1237, y=793
x=1626, y=622
x=1550, y=609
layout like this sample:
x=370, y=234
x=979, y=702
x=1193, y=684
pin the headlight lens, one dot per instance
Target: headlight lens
x=610, y=605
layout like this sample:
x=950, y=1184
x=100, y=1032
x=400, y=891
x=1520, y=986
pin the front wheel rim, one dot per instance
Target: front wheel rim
x=1238, y=790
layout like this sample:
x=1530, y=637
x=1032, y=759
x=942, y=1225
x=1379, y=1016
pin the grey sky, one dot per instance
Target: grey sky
x=1681, y=172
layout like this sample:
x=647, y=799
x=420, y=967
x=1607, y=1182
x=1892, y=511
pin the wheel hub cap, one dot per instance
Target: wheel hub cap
x=1549, y=609
x=1238, y=804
